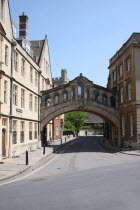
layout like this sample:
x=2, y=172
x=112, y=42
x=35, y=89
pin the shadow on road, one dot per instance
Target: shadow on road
x=84, y=144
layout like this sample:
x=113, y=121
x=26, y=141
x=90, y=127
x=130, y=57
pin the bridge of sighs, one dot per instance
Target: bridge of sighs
x=80, y=94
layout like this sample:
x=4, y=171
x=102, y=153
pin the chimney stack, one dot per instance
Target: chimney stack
x=23, y=26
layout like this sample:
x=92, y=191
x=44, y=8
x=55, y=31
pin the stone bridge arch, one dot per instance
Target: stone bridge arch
x=80, y=94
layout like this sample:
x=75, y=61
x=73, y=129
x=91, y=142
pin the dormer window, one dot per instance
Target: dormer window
x=2, y=9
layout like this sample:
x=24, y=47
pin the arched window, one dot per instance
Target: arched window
x=96, y=95
x=73, y=93
x=56, y=98
x=104, y=98
x=80, y=90
x=64, y=96
x=48, y=101
x=88, y=92
x=113, y=101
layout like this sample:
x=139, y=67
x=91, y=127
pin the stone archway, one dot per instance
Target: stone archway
x=81, y=95
x=108, y=114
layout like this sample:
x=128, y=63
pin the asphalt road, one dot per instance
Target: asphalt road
x=84, y=176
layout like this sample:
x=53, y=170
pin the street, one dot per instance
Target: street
x=84, y=176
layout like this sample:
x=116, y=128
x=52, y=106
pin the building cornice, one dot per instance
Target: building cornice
x=134, y=40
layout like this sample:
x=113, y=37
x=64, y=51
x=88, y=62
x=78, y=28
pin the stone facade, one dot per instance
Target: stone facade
x=124, y=76
x=24, y=72
x=58, y=122
x=80, y=94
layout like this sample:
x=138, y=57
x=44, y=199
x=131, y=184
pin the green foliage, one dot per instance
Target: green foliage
x=86, y=127
x=100, y=125
x=74, y=120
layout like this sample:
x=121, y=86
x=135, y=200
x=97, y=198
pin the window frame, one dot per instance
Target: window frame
x=22, y=98
x=35, y=131
x=123, y=125
x=121, y=70
x=131, y=125
x=36, y=80
x=31, y=74
x=22, y=130
x=129, y=91
x=6, y=54
x=121, y=95
x=128, y=64
x=35, y=103
x=16, y=61
x=30, y=101
x=5, y=91
x=15, y=95
x=14, y=132
x=23, y=67
x=30, y=131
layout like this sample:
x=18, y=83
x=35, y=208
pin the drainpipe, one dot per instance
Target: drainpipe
x=39, y=102
x=1, y=73
x=13, y=48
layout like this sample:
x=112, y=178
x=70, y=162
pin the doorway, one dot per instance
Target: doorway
x=3, y=142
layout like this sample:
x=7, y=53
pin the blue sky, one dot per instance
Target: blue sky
x=83, y=34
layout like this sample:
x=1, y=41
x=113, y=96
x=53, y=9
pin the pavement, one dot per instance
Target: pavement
x=11, y=167
x=126, y=151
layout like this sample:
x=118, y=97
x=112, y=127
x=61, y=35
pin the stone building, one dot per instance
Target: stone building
x=58, y=122
x=124, y=77
x=95, y=124
x=24, y=72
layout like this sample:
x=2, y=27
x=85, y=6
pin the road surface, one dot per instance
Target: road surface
x=85, y=176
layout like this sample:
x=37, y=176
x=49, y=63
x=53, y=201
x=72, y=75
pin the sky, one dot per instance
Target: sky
x=82, y=34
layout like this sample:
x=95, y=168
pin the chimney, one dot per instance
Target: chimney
x=23, y=26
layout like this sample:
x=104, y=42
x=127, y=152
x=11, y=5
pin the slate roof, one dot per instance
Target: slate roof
x=92, y=118
x=37, y=46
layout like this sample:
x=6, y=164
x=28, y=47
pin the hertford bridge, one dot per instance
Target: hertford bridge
x=80, y=94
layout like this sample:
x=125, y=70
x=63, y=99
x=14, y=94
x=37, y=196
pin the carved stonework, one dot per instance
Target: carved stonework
x=81, y=100
x=81, y=108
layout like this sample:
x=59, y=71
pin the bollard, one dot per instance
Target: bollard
x=65, y=139
x=44, y=150
x=27, y=160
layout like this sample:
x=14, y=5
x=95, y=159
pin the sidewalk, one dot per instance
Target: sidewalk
x=126, y=151
x=11, y=167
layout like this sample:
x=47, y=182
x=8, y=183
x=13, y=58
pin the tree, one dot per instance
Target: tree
x=74, y=120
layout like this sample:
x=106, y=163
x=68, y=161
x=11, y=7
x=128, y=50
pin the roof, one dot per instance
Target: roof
x=92, y=118
x=2, y=31
x=37, y=46
x=134, y=39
